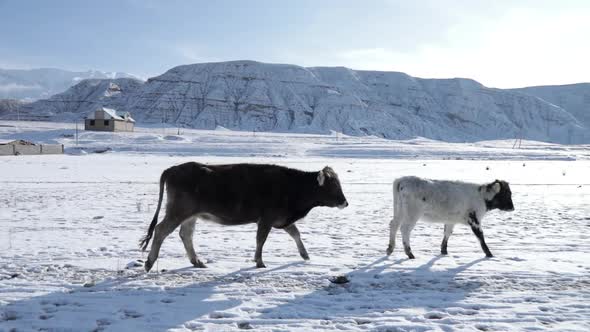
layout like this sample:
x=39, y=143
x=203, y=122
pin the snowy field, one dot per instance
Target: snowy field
x=70, y=224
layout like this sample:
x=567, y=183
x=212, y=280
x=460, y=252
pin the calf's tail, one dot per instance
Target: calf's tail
x=146, y=239
x=397, y=196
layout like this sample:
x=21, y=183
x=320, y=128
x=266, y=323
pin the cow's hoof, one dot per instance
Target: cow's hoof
x=389, y=250
x=200, y=265
x=444, y=252
x=489, y=255
x=411, y=256
x=305, y=257
x=148, y=265
x=260, y=265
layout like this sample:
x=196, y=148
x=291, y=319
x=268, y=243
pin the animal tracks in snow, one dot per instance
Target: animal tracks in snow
x=539, y=279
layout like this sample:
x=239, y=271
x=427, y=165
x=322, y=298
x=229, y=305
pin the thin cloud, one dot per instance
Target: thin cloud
x=191, y=53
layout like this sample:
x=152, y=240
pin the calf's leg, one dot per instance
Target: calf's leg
x=476, y=228
x=448, y=232
x=398, y=218
x=294, y=232
x=393, y=227
x=261, y=235
x=410, y=214
x=406, y=231
x=187, y=229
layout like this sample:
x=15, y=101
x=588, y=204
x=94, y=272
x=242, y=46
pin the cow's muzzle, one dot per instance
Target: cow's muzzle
x=343, y=205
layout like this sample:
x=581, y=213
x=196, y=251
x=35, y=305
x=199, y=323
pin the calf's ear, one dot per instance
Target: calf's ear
x=496, y=188
x=321, y=177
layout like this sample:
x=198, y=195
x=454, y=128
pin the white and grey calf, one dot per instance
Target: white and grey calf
x=448, y=202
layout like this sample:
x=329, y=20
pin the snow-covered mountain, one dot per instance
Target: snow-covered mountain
x=575, y=98
x=9, y=106
x=248, y=95
x=33, y=84
x=84, y=98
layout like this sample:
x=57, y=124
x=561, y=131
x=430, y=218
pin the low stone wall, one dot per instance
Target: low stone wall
x=6, y=150
x=27, y=149
x=52, y=149
x=12, y=149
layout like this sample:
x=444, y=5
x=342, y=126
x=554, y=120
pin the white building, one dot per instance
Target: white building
x=107, y=119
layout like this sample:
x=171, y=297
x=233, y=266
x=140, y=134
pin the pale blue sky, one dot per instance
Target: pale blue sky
x=503, y=43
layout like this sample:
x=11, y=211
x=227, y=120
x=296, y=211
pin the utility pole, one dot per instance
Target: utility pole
x=76, y=121
x=518, y=140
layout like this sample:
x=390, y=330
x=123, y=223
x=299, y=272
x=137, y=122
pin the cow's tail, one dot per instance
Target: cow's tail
x=143, y=243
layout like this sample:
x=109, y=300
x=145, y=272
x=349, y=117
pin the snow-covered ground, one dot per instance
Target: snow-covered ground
x=70, y=224
x=222, y=142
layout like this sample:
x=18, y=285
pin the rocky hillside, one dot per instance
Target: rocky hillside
x=575, y=98
x=10, y=106
x=247, y=95
x=33, y=84
x=83, y=98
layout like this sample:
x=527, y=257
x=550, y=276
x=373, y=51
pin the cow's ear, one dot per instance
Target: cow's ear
x=321, y=177
x=496, y=188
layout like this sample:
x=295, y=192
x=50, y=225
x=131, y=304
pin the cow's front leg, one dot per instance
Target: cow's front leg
x=445, y=241
x=294, y=232
x=476, y=228
x=261, y=235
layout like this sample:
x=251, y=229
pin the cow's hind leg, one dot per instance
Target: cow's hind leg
x=398, y=217
x=261, y=235
x=406, y=231
x=186, y=234
x=294, y=232
x=163, y=229
x=393, y=227
x=448, y=232
x=411, y=214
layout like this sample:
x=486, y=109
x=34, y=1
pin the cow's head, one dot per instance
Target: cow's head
x=330, y=190
x=498, y=195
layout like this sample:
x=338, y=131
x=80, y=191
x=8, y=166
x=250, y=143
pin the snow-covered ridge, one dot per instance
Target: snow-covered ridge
x=253, y=96
x=33, y=84
x=575, y=98
x=9, y=106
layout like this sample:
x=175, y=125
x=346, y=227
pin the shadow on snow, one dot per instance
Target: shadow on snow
x=148, y=302
x=376, y=289
x=136, y=302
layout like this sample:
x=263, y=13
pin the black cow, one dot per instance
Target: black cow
x=236, y=194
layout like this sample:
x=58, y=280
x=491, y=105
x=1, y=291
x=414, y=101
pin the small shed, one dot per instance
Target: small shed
x=107, y=119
